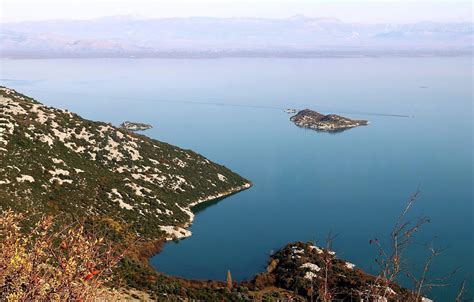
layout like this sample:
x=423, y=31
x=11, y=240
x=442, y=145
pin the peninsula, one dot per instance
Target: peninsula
x=98, y=171
x=332, y=122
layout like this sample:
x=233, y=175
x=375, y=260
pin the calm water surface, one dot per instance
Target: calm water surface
x=354, y=183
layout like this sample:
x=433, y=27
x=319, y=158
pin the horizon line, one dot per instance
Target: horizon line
x=289, y=18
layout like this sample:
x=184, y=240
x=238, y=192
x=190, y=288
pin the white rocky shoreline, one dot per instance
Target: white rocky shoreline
x=181, y=232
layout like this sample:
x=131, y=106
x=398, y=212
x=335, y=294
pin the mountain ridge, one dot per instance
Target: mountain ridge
x=207, y=37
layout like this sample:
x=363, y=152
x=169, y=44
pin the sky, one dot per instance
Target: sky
x=360, y=11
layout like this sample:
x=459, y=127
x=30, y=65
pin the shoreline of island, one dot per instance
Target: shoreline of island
x=314, y=120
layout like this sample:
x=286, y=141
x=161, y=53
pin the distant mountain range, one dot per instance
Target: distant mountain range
x=127, y=36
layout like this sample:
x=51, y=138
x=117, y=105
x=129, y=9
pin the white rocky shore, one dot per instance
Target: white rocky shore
x=177, y=232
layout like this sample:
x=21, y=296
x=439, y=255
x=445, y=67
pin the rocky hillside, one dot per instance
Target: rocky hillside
x=316, y=274
x=54, y=161
x=332, y=122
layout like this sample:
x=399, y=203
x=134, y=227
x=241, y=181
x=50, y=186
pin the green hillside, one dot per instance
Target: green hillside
x=54, y=161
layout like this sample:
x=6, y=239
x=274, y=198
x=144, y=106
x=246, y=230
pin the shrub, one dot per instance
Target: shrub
x=42, y=263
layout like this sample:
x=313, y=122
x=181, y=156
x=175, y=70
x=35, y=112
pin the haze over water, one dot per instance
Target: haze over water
x=306, y=183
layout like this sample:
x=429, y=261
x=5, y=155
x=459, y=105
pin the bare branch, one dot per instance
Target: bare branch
x=461, y=292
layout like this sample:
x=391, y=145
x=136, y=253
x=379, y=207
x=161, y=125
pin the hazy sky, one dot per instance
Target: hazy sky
x=364, y=11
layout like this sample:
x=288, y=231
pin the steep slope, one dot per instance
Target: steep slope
x=54, y=161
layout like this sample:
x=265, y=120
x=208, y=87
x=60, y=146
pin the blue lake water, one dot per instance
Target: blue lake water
x=354, y=183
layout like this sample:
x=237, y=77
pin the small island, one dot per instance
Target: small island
x=314, y=120
x=131, y=126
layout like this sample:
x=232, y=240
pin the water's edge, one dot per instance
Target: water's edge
x=181, y=232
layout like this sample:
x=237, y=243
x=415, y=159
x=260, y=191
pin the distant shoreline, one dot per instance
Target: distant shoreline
x=223, y=54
